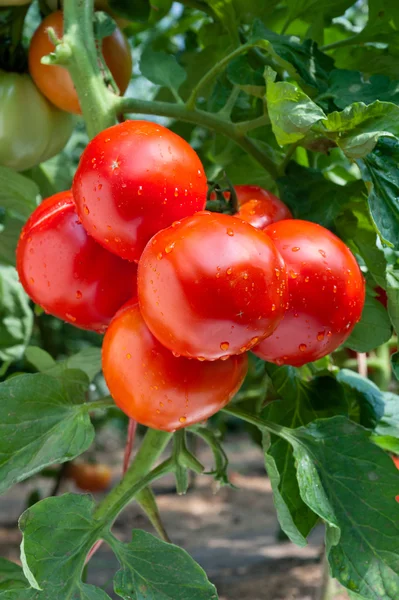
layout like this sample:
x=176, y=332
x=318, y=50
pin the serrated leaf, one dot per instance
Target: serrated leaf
x=352, y=484
x=301, y=402
x=357, y=129
x=154, y=569
x=162, y=69
x=18, y=194
x=292, y=113
x=58, y=533
x=380, y=171
x=347, y=87
x=16, y=317
x=43, y=423
x=373, y=329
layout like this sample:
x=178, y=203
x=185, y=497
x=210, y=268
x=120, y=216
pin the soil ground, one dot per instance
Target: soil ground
x=230, y=532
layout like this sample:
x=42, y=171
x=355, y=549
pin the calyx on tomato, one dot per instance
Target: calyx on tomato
x=32, y=130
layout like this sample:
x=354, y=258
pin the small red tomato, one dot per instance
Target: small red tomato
x=211, y=286
x=134, y=179
x=158, y=389
x=66, y=272
x=326, y=294
x=260, y=207
x=396, y=461
x=90, y=477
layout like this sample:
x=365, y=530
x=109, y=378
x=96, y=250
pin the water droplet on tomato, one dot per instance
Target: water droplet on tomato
x=293, y=275
x=140, y=190
x=320, y=336
x=295, y=249
x=78, y=294
x=32, y=280
x=176, y=354
x=128, y=356
x=176, y=192
x=229, y=271
x=159, y=255
x=302, y=347
x=86, y=209
x=70, y=317
x=277, y=271
x=273, y=307
x=183, y=419
x=307, y=279
x=169, y=247
x=224, y=346
x=335, y=289
x=230, y=232
x=322, y=253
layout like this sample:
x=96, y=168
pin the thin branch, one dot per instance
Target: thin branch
x=131, y=434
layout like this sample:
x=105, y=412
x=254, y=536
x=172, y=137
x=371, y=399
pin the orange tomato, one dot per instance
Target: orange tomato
x=55, y=82
x=90, y=477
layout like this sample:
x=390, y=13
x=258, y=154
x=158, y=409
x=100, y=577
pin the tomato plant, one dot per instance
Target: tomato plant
x=325, y=294
x=31, y=129
x=158, y=389
x=55, y=82
x=211, y=286
x=66, y=272
x=133, y=180
x=280, y=320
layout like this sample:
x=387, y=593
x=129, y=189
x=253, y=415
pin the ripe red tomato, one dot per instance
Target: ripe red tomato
x=260, y=207
x=67, y=272
x=90, y=477
x=158, y=389
x=211, y=286
x=326, y=294
x=134, y=179
x=55, y=82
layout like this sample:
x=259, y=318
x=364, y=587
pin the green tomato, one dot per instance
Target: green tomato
x=32, y=130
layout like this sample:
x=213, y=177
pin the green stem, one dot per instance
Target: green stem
x=245, y=126
x=214, y=72
x=340, y=43
x=96, y=101
x=151, y=448
x=198, y=5
x=102, y=404
x=199, y=117
x=279, y=430
x=291, y=150
x=382, y=376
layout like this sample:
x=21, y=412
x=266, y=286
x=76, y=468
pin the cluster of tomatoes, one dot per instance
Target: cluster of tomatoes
x=35, y=108
x=181, y=293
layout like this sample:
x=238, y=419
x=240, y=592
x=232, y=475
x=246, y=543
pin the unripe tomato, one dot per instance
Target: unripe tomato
x=55, y=82
x=211, y=286
x=326, y=294
x=66, y=272
x=260, y=207
x=90, y=477
x=158, y=389
x=31, y=128
x=134, y=179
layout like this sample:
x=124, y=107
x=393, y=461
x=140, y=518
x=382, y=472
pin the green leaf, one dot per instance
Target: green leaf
x=39, y=358
x=347, y=87
x=351, y=484
x=57, y=535
x=139, y=10
x=358, y=128
x=162, y=69
x=386, y=433
x=380, y=171
x=395, y=364
x=10, y=230
x=310, y=8
x=11, y=576
x=87, y=360
x=373, y=329
x=16, y=317
x=392, y=289
x=226, y=14
x=103, y=25
x=43, y=423
x=292, y=113
x=18, y=194
x=312, y=197
x=154, y=569
x=251, y=81
x=301, y=402
x=363, y=397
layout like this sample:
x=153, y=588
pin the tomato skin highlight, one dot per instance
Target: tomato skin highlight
x=211, y=286
x=326, y=294
x=55, y=82
x=134, y=179
x=154, y=387
x=259, y=206
x=66, y=272
x=90, y=477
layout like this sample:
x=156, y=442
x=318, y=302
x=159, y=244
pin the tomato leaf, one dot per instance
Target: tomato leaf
x=373, y=329
x=154, y=569
x=292, y=113
x=365, y=399
x=386, y=433
x=380, y=171
x=358, y=127
x=162, y=69
x=11, y=576
x=49, y=528
x=18, y=194
x=347, y=87
x=351, y=484
x=43, y=423
x=139, y=10
x=16, y=317
x=39, y=358
x=395, y=364
x=301, y=402
x=87, y=360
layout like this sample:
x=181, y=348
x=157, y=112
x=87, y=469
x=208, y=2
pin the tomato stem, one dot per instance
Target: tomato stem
x=96, y=100
x=211, y=121
x=283, y=432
